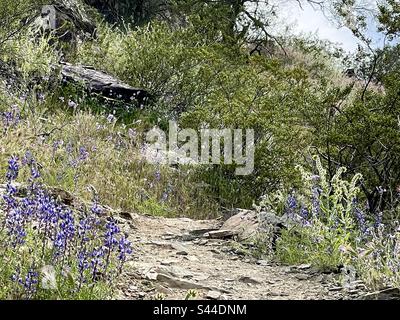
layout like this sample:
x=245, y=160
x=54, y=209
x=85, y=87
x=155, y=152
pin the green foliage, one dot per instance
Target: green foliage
x=332, y=228
x=361, y=135
x=15, y=17
x=205, y=83
x=200, y=72
x=378, y=261
x=389, y=17
x=33, y=58
x=317, y=245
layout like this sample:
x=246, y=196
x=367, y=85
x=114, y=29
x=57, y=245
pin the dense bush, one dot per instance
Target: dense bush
x=204, y=83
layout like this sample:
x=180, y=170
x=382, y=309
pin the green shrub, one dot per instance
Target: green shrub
x=15, y=17
x=204, y=83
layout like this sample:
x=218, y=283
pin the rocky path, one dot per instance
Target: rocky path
x=173, y=256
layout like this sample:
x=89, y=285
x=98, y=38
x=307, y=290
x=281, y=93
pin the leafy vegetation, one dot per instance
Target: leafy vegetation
x=326, y=143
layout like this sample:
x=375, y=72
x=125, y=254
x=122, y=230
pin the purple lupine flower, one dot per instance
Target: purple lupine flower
x=31, y=281
x=305, y=215
x=378, y=219
x=13, y=168
x=360, y=216
x=57, y=225
x=60, y=243
x=67, y=224
x=11, y=118
x=83, y=154
x=97, y=260
x=125, y=248
x=291, y=205
x=11, y=189
x=35, y=173
x=15, y=224
x=315, y=202
x=291, y=202
x=96, y=209
x=112, y=230
x=164, y=196
x=69, y=148
x=27, y=159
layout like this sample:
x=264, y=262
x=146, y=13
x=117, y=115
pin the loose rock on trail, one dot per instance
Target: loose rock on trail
x=173, y=256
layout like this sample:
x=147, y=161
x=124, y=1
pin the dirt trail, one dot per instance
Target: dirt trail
x=170, y=259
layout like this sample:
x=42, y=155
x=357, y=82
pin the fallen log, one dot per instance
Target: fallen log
x=103, y=84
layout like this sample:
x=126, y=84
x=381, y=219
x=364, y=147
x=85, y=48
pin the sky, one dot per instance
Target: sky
x=309, y=20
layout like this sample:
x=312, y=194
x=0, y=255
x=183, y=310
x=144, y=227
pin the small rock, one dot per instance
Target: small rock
x=244, y=223
x=161, y=289
x=168, y=237
x=215, y=251
x=301, y=276
x=132, y=288
x=221, y=234
x=191, y=258
x=290, y=270
x=250, y=280
x=201, y=232
x=178, y=247
x=278, y=294
x=201, y=277
x=333, y=289
x=353, y=291
x=179, y=283
x=126, y=215
x=263, y=263
x=168, y=262
x=213, y=295
x=151, y=275
x=304, y=266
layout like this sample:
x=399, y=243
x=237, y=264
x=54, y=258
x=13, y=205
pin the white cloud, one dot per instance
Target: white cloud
x=307, y=20
x=311, y=21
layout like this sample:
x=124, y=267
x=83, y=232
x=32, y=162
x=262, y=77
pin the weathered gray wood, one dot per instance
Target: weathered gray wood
x=102, y=83
x=66, y=19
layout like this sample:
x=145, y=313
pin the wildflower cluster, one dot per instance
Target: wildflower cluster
x=11, y=118
x=84, y=249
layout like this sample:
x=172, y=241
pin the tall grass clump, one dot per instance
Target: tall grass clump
x=78, y=147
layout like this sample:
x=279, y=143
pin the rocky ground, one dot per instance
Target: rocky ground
x=173, y=256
